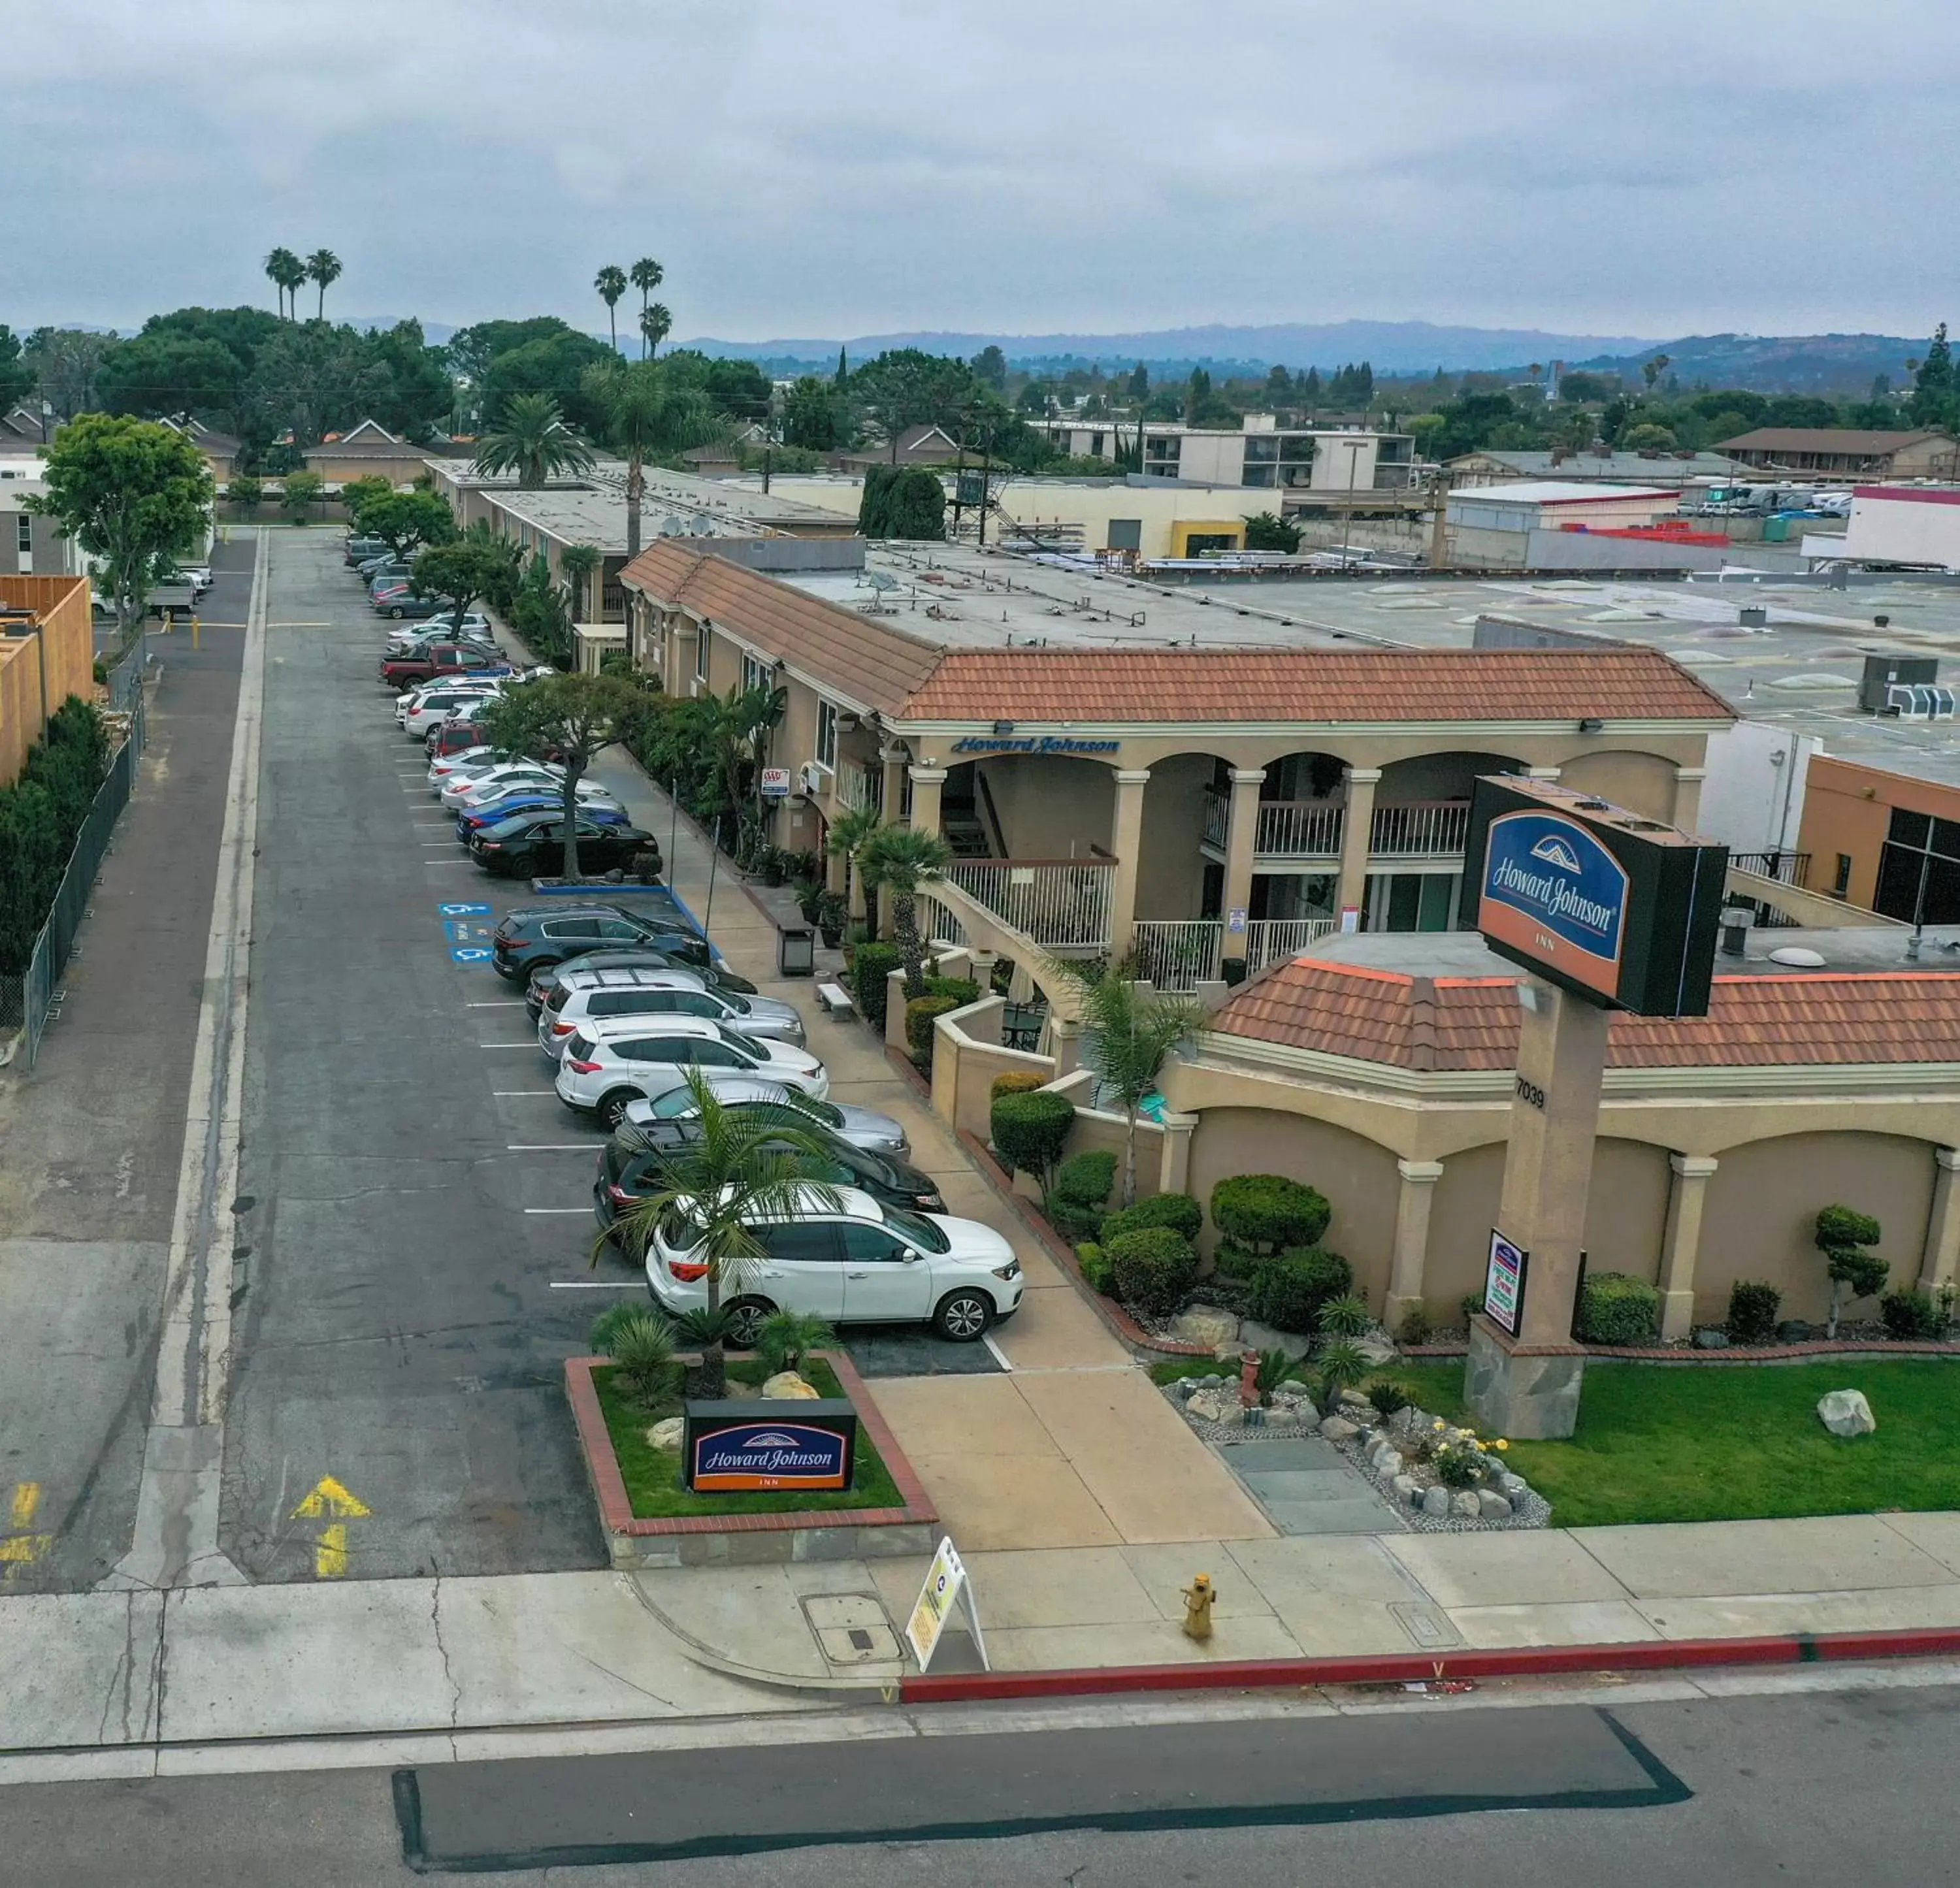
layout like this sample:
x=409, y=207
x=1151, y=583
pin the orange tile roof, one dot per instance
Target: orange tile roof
x=1423, y=1023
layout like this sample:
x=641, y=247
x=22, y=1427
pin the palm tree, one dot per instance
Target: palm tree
x=845, y=840
x=644, y=412
x=323, y=266
x=287, y=272
x=656, y=323
x=744, y=719
x=740, y=1169
x=902, y=859
x=578, y=561
x=1133, y=1034
x=647, y=276
x=531, y=439
x=611, y=283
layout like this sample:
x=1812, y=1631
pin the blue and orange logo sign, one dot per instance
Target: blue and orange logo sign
x=1552, y=890
x=765, y=1455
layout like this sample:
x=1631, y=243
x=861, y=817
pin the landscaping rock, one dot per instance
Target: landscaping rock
x=667, y=1434
x=1708, y=1338
x=1389, y=1462
x=1377, y=1346
x=1845, y=1413
x=1794, y=1330
x=1464, y=1503
x=1232, y=1414
x=1339, y=1429
x=1208, y=1406
x=1436, y=1501
x=1406, y=1490
x=1512, y=1486
x=786, y=1384
x=1492, y=1506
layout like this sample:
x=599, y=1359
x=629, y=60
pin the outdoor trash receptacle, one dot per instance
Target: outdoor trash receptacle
x=795, y=951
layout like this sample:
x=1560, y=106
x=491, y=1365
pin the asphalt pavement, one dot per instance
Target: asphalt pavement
x=415, y=1191
x=1820, y=1788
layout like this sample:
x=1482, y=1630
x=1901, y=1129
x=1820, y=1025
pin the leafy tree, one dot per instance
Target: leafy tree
x=810, y=415
x=132, y=494
x=902, y=502
x=312, y=380
x=405, y=521
x=1279, y=385
x=902, y=859
x=543, y=355
x=989, y=366
x=1471, y=421
x=737, y=1170
x=1931, y=403
x=1035, y=398
x=287, y=272
x=419, y=389
x=323, y=267
x=163, y=375
x=1647, y=437
x=1652, y=370
x=17, y=374
x=41, y=816
x=610, y=284
x=1266, y=533
x=570, y=719
x=1133, y=1033
x=65, y=361
x=462, y=568
x=1196, y=395
x=1139, y=382
x=531, y=439
x=646, y=408
x=905, y=387
x=300, y=491
x=1843, y=1235
x=358, y=493
x=580, y=563
x=656, y=324
x=843, y=373
x=247, y=492
x=646, y=275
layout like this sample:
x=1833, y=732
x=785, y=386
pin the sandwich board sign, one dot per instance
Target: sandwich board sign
x=945, y=1587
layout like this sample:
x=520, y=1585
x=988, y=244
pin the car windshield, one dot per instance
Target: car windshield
x=917, y=1230
x=673, y=1105
x=740, y=1041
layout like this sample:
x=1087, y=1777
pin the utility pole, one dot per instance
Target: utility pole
x=1439, y=534
x=1354, y=450
x=986, y=443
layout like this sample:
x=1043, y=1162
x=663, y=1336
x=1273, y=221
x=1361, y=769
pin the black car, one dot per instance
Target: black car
x=540, y=937
x=632, y=1166
x=544, y=978
x=528, y=844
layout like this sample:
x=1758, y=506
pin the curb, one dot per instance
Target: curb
x=1402, y=1668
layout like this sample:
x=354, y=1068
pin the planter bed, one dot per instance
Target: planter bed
x=650, y=1520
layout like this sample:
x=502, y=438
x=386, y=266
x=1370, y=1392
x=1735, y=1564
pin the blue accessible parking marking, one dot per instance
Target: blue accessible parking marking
x=474, y=956
x=462, y=910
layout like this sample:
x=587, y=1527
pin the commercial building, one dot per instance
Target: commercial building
x=1596, y=464
x=1309, y=467
x=30, y=545
x=1882, y=841
x=1836, y=452
x=1914, y=525
x=1504, y=527
x=47, y=654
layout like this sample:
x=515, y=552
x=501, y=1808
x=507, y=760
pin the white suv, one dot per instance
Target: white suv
x=650, y=993
x=615, y=1059
x=849, y=1261
x=419, y=712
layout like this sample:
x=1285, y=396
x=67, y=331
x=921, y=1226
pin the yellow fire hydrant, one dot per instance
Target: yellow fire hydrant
x=1197, y=1599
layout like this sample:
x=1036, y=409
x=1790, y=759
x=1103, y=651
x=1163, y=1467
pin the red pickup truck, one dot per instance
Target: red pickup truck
x=444, y=660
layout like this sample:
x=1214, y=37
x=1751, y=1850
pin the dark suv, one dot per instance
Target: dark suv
x=538, y=937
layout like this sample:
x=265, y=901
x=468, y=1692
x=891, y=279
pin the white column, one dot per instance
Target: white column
x=1942, y=1225
x=1242, y=836
x=1681, y=1242
x=1126, y=839
x=1357, y=827
x=1412, y=1200
x=927, y=782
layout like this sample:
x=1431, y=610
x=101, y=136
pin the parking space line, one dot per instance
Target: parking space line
x=531, y=1044
x=547, y=1212
x=1000, y=1355
x=550, y=1147
x=497, y=1003
x=512, y=1094
x=599, y=1285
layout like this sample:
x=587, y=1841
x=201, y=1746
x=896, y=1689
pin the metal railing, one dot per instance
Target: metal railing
x=857, y=786
x=937, y=922
x=1056, y=903
x=1179, y=953
x=1267, y=940
x=1427, y=829
x=1287, y=828
x=1786, y=867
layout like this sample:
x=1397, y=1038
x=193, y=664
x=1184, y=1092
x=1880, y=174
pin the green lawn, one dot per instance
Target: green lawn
x=652, y=1476
x=1734, y=1442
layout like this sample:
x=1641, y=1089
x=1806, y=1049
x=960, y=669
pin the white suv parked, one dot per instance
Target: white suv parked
x=615, y=1059
x=848, y=1261
x=606, y=994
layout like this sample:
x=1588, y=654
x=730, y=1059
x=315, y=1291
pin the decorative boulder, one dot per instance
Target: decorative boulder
x=1464, y=1503
x=1388, y=1463
x=1208, y=1406
x=667, y=1434
x=1709, y=1338
x=1209, y=1328
x=1377, y=1346
x=1845, y=1413
x=1794, y=1330
x=1512, y=1486
x=1406, y=1489
x=1339, y=1429
x=1436, y=1501
x=1491, y=1505
x=787, y=1384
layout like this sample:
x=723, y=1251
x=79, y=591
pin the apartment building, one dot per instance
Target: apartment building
x=47, y=654
x=1302, y=465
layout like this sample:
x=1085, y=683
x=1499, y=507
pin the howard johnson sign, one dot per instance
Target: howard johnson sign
x=1617, y=909
x=788, y=1445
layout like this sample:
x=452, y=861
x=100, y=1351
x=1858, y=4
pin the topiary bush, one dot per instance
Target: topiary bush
x=869, y=970
x=1754, y=1308
x=963, y=990
x=1028, y=1130
x=1177, y=1210
x=1016, y=1082
x=1289, y=1289
x=1615, y=1308
x=1080, y=1186
x=1842, y=1234
x=1153, y=1269
x=1909, y=1314
x=1265, y=1213
x=921, y=1013
x=1097, y=1272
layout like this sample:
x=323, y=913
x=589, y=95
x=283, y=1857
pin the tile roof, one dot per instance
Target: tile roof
x=1428, y=1023
x=1825, y=438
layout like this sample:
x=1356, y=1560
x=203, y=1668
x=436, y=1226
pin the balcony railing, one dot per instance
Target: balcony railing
x=1180, y=954
x=1786, y=867
x=1431, y=829
x=1056, y=903
x=1288, y=828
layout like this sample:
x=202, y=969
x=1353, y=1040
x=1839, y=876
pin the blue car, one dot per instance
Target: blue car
x=523, y=800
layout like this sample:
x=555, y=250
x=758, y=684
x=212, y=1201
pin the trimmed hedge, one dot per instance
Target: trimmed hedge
x=1754, y=1308
x=1289, y=1290
x=1084, y=1179
x=920, y=1014
x=1154, y=1269
x=963, y=990
x=1616, y=1309
x=1028, y=1130
x=1097, y=1273
x=1016, y=1082
x=41, y=816
x=869, y=970
x=1267, y=1212
x=1178, y=1211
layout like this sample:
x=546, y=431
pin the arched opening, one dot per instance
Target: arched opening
x=1415, y=845
x=1296, y=851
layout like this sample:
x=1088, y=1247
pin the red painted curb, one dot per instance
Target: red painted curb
x=1398, y=1668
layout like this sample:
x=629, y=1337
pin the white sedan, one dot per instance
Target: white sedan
x=493, y=784
x=846, y=1259
x=471, y=762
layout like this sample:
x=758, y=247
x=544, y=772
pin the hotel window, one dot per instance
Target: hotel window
x=756, y=672
x=701, y=653
x=826, y=736
x=24, y=529
x=1842, y=883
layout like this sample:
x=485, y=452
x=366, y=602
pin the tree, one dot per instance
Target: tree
x=405, y=521
x=843, y=373
x=1843, y=1236
x=1139, y=383
x=531, y=439
x=738, y=1170
x=357, y=494
x=905, y=387
x=610, y=284
x=16, y=375
x=1931, y=403
x=845, y=839
x=462, y=570
x=810, y=415
x=288, y=272
x=300, y=491
x=247, y=492
x=322, y=267
x=902, y=502
x=1266, y=533
x=1649, y=436
x=1652, y=370
x=570, y=720
x=990, y=366
x=646, y=275
x=163, y=376
x=65, y=361
x=902, y=859
x=580, y=562
x=644, y=409
x=131, y=493
x=656, y=323
x=1132, y=1033
x=313, y=380
x=543, y=355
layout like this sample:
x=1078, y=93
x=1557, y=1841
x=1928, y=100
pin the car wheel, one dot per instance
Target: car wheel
x=396, y=614
x=611, y=1109
x=746, y=1317
x=963, y=1316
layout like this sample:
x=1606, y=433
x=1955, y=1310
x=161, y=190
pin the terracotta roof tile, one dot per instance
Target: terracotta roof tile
x=1806, y=1020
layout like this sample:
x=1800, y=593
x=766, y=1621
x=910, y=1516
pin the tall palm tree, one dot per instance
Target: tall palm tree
x=530, y=438
x=323, y=266
x=846, y=840
x=578, y=561
x=902, y=859
x=739, y=1170
x=647, y=276
x=287, y=272
x=644, y=412
x=611, y=283
x=656, y=324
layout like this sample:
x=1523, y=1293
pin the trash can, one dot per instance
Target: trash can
x=795, y=951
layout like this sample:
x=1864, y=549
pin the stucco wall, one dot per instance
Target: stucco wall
x=1641, y=783
x=1170, y=881
x=1051, y=807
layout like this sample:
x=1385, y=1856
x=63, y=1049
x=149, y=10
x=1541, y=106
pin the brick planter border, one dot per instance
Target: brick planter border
x=688, y=1540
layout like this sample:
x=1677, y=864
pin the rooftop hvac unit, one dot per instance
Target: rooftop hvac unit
x=1919, y=701
x=1882, y=672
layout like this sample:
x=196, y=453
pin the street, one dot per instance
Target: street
x=1812, y=1787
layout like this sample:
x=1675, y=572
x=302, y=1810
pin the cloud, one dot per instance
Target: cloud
x=879, y=164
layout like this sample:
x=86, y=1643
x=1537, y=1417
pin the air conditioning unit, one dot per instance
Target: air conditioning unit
x=1919, y=701
x=815, y=777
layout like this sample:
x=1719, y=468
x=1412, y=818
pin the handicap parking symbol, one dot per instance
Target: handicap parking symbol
x=462, y=910
x=473, y=954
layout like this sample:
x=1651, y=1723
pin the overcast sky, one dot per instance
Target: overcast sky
x=1652, y=168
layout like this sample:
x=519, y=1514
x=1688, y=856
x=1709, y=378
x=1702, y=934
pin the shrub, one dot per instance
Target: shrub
x=1017, y=1082
x=1908, y=1315
x=1842, y=1234
x=1028, y=1130
x=1346, y=1316
x=1342, y=1366
x=1268, y=1212
x=869, y=970
x=786, y=1337
x=1389, y=1399
x=1236, y=1261
x=1753, y=1308
x=1097, y=1273
x=1154, y=1269
x=642, y=1350
x=1615, y=1308
x=1288, y=1291
x=1460, y=1462
x=1275, y=1366
x=1177, y=1210
x=1414, y=1328
x=1084, y=1179
x=962, y=989
x=1472, y=1306
x=921, y=1013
